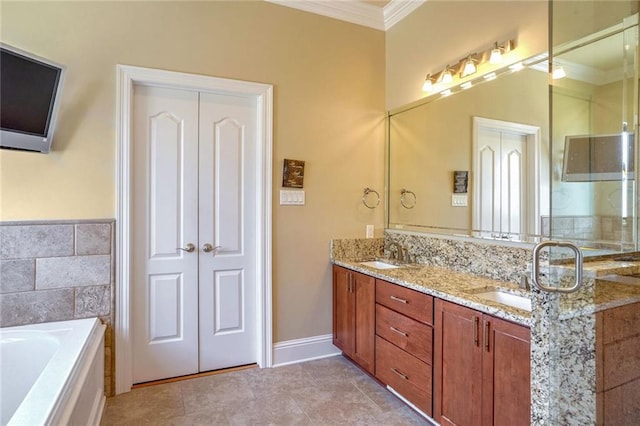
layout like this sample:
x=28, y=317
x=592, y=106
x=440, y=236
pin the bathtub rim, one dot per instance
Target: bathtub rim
x=53, y=395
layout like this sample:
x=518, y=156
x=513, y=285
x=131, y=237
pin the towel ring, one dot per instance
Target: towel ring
x=405, y=203
x=368, y=191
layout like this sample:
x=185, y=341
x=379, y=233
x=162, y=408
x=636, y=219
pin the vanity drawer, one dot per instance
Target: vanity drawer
x=407, y=334
x=405, y=373
x=412, y=303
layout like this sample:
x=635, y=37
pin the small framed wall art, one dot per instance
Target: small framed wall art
x=293, y=174
x=460, y=182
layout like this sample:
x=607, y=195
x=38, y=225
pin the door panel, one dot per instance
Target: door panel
x=165, y=307
x=165, y=214
x=229, y=288
x=165, y=174
x=228, y=186
x=227, y=221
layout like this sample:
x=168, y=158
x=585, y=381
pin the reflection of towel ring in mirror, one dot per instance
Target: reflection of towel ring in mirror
x=368, y=191
x=407, y=204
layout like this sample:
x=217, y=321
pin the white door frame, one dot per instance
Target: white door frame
x=126, y=77
x=533, y=134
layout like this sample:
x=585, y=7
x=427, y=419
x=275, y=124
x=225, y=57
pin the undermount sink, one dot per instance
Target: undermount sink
x=509, y=299
x=379, y=265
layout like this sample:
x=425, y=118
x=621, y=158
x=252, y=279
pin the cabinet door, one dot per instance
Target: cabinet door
x=506, y=393
x=343, y=310
x=458, y=365
x=365, y=321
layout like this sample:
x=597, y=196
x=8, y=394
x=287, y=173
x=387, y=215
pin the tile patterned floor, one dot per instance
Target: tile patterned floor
x=330, y=391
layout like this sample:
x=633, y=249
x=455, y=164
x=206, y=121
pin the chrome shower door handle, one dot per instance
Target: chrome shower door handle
x=189, y=248
x=579, y=263
x=208, y=248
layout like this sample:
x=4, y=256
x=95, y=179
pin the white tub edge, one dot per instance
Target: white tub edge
x=56, y=405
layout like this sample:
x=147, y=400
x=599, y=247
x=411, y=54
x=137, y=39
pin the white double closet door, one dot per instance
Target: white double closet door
x=194, y=250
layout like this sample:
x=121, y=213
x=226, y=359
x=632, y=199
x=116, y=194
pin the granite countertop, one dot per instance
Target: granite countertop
x=446, y=284
x=462, y=288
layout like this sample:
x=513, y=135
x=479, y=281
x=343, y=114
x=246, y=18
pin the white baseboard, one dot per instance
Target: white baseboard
x=307, y=349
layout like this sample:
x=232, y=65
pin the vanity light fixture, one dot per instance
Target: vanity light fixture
x=466, y=85
x=445, y=93
x=447, y=76
x=496, y=55
x=469, y=66
x=428, y=83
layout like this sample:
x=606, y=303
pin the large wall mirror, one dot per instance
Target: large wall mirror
x=509, y=134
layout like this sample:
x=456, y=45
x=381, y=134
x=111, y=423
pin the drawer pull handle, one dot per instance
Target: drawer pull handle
x=399, y=331
x=404, y=376
x=397, y=299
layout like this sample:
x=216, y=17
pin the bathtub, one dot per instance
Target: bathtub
x=52, y=373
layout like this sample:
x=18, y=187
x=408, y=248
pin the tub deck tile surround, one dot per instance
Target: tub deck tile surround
x=563, y=326
x=74, y=271
x=17, y=275
x=35, y=240
x=32, y=307
x=56, y=270
x=93, y=238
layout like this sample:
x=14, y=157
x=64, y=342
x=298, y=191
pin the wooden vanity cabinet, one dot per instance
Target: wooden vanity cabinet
x=481, y=368
x=354, y=316
x=404, y=341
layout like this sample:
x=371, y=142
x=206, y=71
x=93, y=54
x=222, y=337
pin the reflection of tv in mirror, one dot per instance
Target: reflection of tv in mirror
x=590, y=158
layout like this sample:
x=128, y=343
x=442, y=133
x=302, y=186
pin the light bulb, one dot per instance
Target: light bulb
x=469, y=68
x=447, y=77
x=496, y=55
x=428, y=84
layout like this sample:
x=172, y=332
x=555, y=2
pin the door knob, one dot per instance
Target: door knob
x=208, y=248
x=189, y=248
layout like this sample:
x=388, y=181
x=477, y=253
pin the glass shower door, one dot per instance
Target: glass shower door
x=593, y=198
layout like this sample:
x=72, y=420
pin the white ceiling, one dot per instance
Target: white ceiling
x=378, y=14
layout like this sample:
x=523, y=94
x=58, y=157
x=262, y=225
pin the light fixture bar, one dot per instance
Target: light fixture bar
x=467, y=66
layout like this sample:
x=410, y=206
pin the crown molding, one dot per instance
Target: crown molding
x=350, y=11
x=356, y=12
x=396, y=10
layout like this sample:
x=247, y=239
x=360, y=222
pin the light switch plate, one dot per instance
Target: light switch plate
x=459, y=200
x=290, y=197
x=370, y=230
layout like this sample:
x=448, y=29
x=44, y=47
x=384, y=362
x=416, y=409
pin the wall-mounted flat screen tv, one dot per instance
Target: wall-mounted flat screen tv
x=592, y=158
x=29, y=98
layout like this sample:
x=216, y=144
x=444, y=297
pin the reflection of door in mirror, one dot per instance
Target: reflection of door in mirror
x=506, y=184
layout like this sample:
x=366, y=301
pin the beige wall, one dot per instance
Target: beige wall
x=442, y=32
x=328, y=77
